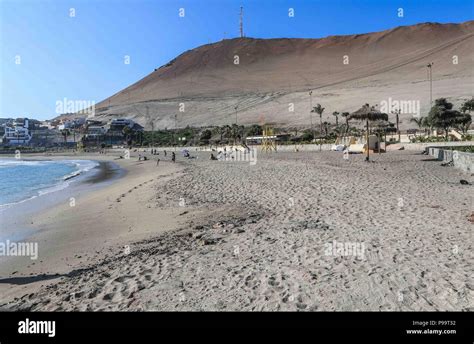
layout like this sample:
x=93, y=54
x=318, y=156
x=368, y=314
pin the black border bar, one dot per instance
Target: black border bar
x=349, y=325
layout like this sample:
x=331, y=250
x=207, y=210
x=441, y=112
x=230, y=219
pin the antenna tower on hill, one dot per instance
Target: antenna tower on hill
x=241, y=22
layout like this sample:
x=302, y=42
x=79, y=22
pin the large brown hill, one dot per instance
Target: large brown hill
x=272, y=74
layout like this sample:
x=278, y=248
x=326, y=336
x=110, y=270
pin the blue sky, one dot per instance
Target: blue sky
x=82, y=57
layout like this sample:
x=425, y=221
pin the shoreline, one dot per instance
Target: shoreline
x=13, y=215
x=71, y=237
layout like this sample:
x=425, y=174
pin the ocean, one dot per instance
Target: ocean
x=21, y=180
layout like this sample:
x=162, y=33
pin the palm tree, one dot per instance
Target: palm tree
x=347, y=116
x=127, y=132
x=428, y=124
x=384, y=127
x=368, y=113
x=151, y=123
x=319, y=110
x=397, y=119
x=336, y=114
x=65, y=133
x=326, y=128
x=419, y=121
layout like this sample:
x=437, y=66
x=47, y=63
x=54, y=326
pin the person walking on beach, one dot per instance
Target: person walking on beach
x=173, y=157
x=165, y=153
x=157, y=162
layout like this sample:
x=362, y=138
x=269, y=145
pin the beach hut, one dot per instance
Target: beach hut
x=368, y=114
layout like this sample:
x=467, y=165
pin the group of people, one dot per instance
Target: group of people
x=173, y=158
x=155, y=152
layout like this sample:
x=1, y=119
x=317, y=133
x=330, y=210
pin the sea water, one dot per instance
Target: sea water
x=21, y=180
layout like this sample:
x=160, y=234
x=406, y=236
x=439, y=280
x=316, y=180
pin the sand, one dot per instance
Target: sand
x=243, y=237
x=109, y=216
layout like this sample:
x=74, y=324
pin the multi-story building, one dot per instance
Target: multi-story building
x=118, y=124
x=17, y=133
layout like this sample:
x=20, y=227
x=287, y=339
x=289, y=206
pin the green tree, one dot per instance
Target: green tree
x=419, y=121
x=466, y=119
x=336, y=114
x=443, y=116
x=254, y=130
x=206, y=135
x=326, y=128
x=307, y=136
x=428, y=124
x=65, y=133
x=347, y=116
x=468, y=105
x=464, y=122
x=236, y=132
x=319, y=110
x=217, y=131
x=128, y=134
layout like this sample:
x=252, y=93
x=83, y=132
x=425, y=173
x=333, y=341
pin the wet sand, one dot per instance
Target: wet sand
x=105, y=214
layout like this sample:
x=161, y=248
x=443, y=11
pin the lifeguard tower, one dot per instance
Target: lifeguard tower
x=268, y=140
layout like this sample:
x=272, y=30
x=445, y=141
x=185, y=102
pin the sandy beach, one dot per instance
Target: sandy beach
x=110, y=210
x=211, y=235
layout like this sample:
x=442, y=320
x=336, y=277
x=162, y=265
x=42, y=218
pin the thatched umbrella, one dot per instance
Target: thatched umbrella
x=384, y=127
x=368, y=113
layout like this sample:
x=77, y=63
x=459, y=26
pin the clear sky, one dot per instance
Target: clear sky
x=82, y=57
